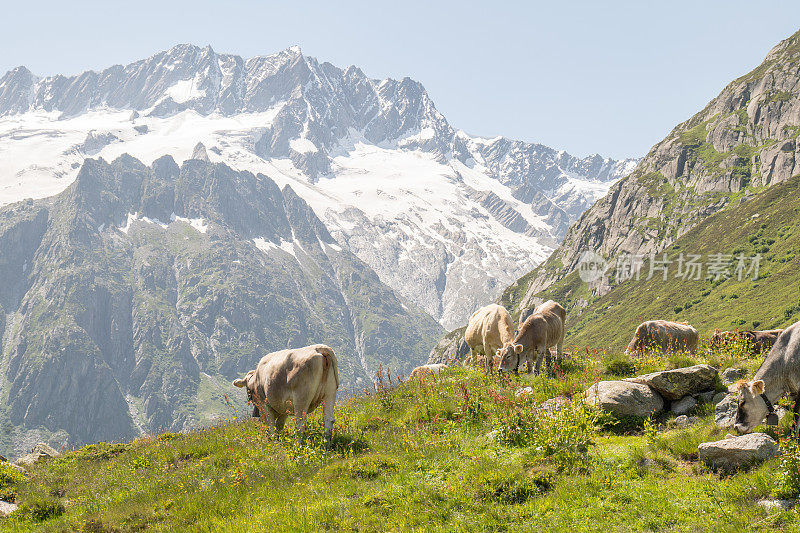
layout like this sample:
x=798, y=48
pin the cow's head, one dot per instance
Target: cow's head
x=246, y=382
x=509, y=357
x=751, y=408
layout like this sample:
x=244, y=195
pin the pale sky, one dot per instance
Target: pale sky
x=583, y=76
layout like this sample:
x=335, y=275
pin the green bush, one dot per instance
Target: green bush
x=508, y=489
x=787, y=484
x=10, y=477
x=620, y=365
x=41, y=509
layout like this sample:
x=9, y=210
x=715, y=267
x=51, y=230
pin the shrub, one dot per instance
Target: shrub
x=563, y=438
x=787, y=484
x=508, y=489
x=41, y=509
x=10, y=477
x=620, y=365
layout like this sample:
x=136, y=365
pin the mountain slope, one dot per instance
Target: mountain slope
x=417, y=200
x=742, y=142
x=767, y=225
x=133, y=297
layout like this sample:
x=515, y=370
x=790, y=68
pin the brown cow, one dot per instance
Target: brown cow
x=297, y=380
x=489, y=329
x=759, y=341
x=665, y=335
x=541, y=330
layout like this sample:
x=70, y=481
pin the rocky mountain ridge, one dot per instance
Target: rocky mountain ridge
x=133, y=298
x=742, y=142
x=331, y=133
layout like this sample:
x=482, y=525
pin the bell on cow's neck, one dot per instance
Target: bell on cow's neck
x=772, y=419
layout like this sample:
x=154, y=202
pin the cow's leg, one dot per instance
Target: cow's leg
x=796, y=416
x=539, y=358
x=560, y=351
x=528, y=364
x=327, y=416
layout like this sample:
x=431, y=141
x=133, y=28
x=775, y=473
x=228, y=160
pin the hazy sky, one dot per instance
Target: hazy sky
x=584, y=76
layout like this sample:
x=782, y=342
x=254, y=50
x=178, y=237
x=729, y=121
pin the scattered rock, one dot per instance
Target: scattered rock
x=683, y=406
x=40, y=452
x=492, y=435
x=625, y=398
x=780, y=411
x=677, y=383
x=725, y=411
x=718, y=397
x=524, y=391
x=706, y=397
x=552, y=406
x=735, y=452
x=731, y=375
x=776, y=504
x=7, y=508
x=683, y=421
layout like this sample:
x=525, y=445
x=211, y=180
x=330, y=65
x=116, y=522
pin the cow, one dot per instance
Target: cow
x=489, y=329
x=777, y=376
x=296, y=381
x=431, y=368
x=541, y=330
x=759, y=341
x=665, y=335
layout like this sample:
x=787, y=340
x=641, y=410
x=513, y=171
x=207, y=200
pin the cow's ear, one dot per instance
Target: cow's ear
x=498, y=352
x=518, y=348
x=241, y=382
x=757, y=387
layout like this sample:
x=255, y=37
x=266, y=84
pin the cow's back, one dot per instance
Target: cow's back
x=284, y=372
x=665, y=335
x=490, y=324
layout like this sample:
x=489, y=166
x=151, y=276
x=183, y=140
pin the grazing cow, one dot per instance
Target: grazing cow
x=489, y=329
x=541, y=330
x=665, y=335
x=778, y=375
x=759, y=341
x=431, y=368
x=295, y=380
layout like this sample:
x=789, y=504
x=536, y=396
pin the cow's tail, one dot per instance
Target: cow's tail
x=330, y=361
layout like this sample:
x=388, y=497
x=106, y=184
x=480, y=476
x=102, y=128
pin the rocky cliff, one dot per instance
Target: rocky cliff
x=743, y=141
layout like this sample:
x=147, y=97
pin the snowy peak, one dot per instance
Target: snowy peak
x=444, y=218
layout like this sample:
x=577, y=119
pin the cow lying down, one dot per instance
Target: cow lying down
x=777, y=376
x=294, y=381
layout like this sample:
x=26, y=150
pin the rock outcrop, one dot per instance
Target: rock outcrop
x=624, y=398
x=677, y=383
x=743, y=140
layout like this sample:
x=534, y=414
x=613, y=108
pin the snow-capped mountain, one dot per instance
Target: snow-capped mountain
x=444, y=218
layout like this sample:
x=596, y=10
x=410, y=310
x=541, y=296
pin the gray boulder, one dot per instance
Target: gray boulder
x=718, y=397
x=731, y=453
x=552, y=406
x=731, y=375
x=40, y=452
x=706, y=397
x=7, y=508
x=769, y=505
x=625, y=398
x=683, y=421
x=683, y=406
x=725, y=411
x=677, y=383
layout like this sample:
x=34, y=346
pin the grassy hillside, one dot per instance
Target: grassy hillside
x=768, y=224
x=456, y=452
